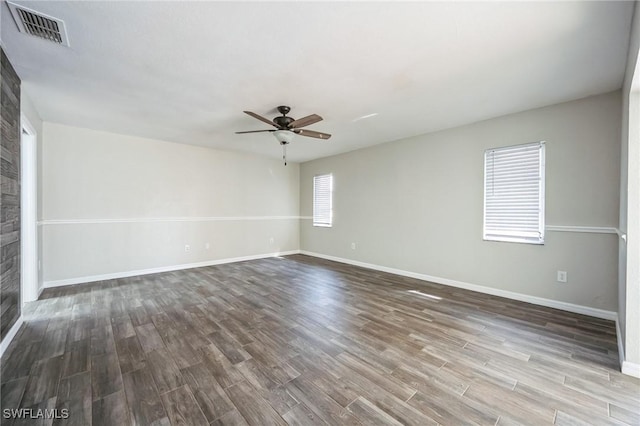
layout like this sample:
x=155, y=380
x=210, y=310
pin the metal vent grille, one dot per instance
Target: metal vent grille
x=39, y=25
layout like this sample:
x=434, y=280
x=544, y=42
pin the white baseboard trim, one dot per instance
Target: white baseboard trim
x=115, y=275
x=620, y=342
x=626, y=367
x=631, y=369
x=10, y=335
x=565, y=306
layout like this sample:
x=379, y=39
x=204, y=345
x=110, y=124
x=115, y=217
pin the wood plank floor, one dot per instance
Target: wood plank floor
x=302, y=341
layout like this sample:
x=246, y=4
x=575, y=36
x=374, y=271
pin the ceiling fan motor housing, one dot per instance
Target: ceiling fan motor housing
x=283, y=122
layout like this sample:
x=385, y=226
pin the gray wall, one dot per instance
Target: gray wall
x=114, y=204
x=416, y=204
x=10, y=197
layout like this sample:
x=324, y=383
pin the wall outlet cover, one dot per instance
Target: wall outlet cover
x=562, y=276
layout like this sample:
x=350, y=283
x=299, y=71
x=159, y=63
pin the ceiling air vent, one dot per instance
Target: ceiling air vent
x=39, y=25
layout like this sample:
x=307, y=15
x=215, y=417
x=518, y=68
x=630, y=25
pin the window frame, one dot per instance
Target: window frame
x=328, y=224
x=517, y=236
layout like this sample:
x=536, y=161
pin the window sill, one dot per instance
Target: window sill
x=514, y=240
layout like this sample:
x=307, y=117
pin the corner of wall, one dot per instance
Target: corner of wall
x=628, y=288
x=10, y=291
x=8, y=338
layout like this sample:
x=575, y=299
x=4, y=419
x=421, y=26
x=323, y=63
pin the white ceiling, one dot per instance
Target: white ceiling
x=185, y=71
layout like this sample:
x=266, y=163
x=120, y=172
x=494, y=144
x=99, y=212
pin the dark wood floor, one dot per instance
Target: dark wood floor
x=303, y=341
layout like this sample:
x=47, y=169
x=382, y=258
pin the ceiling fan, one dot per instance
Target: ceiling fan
x=287, y=127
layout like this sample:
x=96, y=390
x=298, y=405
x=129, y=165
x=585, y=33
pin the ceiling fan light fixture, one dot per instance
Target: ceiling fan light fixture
x=284, y=136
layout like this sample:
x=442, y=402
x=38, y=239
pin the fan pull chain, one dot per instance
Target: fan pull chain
x=284, y=153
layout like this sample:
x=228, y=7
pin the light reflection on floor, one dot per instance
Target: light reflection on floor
x=430, y=296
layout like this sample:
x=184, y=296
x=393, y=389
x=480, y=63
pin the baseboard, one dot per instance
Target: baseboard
x=631, y=369
x=10, y=335
x=550, y=303
x=626, y=367
x=126, y=274
x=620, y=342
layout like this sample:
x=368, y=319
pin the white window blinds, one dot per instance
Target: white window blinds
x=514, y=193
x=322, y=194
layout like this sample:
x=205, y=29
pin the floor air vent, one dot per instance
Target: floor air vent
x=39, y=25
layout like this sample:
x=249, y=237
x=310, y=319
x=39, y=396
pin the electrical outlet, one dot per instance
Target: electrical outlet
x=562, y=277
x=272, y=240
x=207, y=246
x=353, y=246
x=187, y=248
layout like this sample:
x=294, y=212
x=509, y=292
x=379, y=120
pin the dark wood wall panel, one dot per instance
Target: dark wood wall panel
x=10, y=196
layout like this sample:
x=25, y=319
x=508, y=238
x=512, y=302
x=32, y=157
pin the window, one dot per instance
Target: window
x=322, y=194
x=514, y=194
